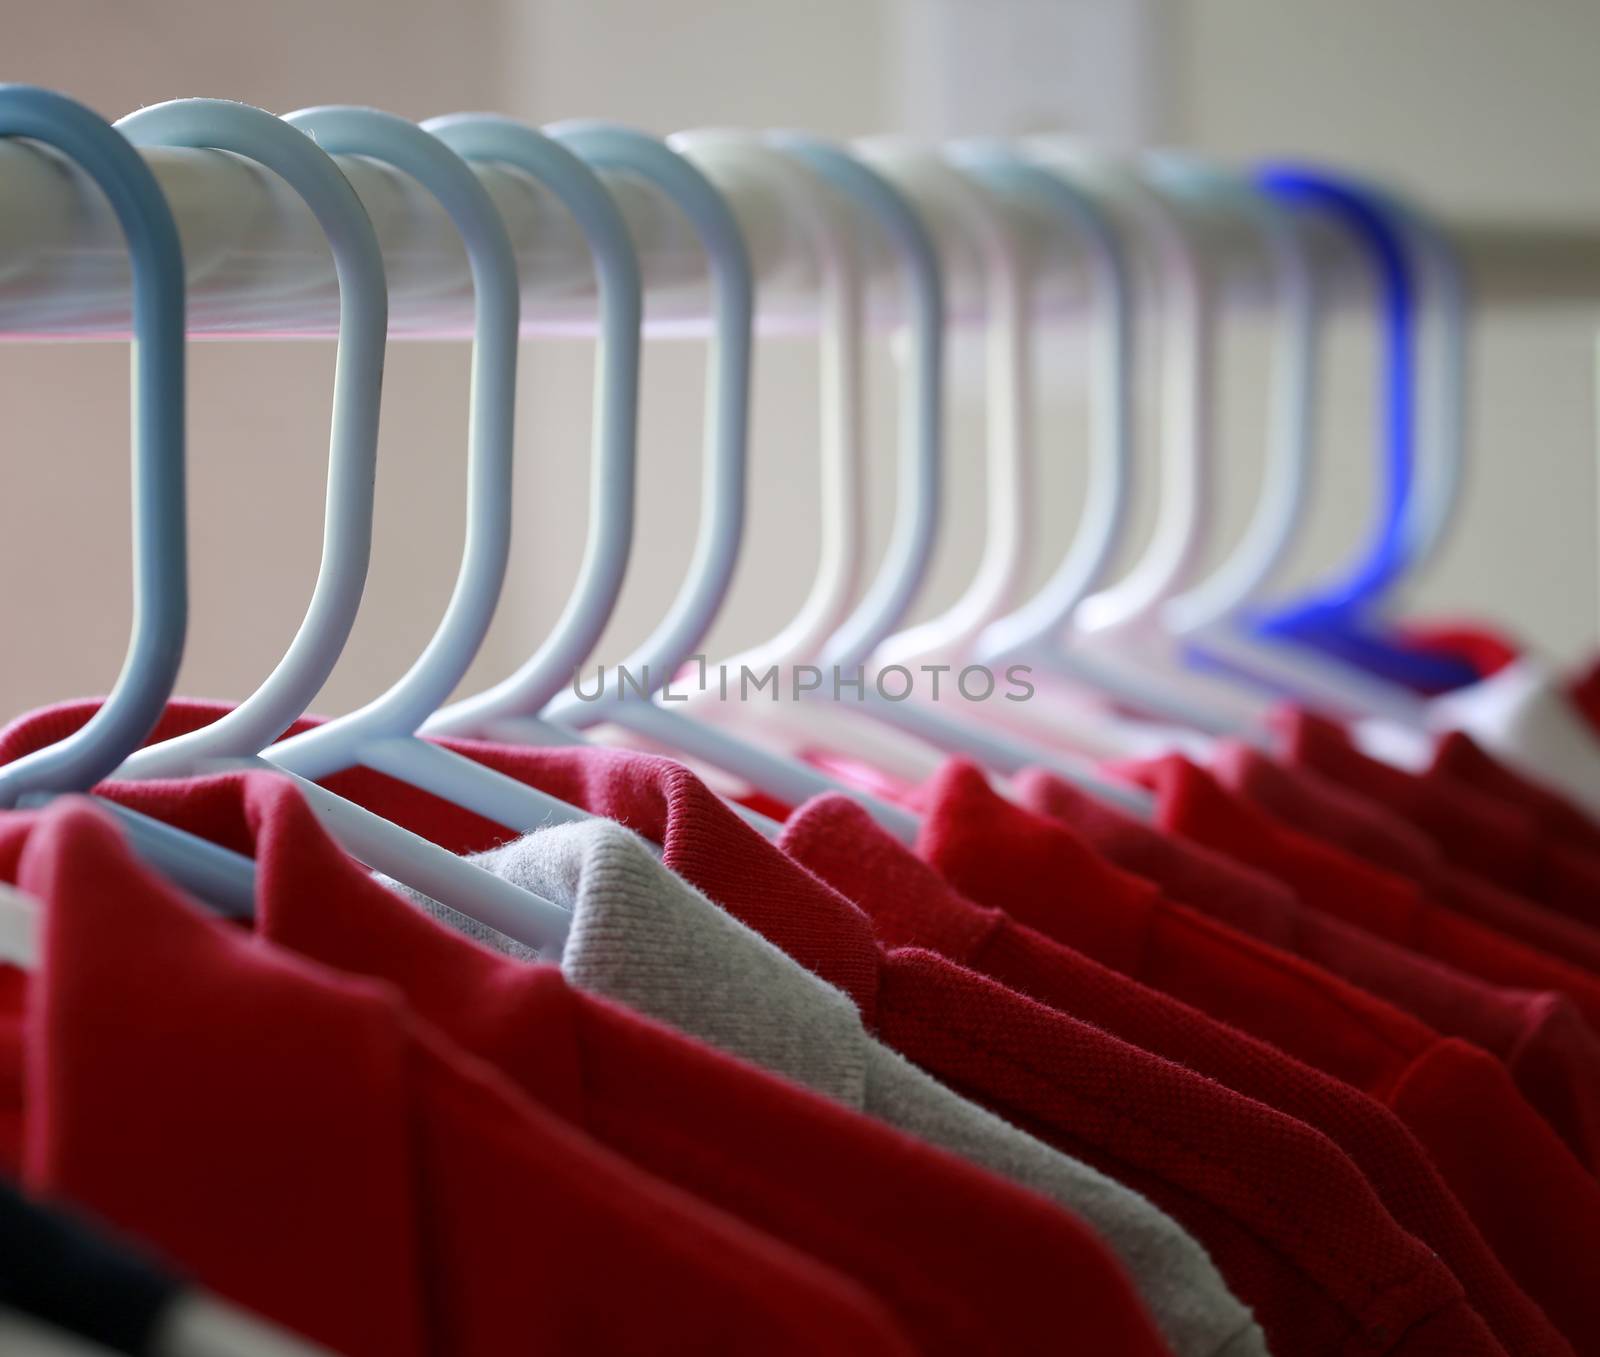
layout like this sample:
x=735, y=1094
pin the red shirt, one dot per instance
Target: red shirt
x=1301, y=799
x=1569, y=867
x=964, y=1261
x=1488, y=835
x=1313, y=805
x=1195, y=805
x=300, y=1144
x=912, y=906
x=1503, y=1163
x=1539, y=1036
x=1290, y=1222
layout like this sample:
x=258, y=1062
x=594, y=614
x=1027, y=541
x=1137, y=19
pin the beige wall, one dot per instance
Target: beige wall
x=1480, y=106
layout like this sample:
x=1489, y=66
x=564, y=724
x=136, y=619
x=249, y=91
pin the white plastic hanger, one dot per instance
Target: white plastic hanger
x=1103, y=516
x=235, y=740
x=224, y=879
x=613, y=458
x=658, y=658
x=1008, y=282
x=382, y=735
x=1444, y=321
x=823, y=220
x=1286, y=479
x=901, y=574
x=358, y=378
x=838, y=649
x=1127, y=612
x=1187, y=371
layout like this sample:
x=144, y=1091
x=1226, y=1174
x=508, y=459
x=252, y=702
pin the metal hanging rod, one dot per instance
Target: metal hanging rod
x=259, y=267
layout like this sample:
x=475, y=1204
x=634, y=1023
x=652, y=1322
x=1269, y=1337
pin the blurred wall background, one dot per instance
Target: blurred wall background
x=1475, y=106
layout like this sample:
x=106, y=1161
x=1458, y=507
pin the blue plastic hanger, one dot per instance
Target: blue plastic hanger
x=223, y=879
x=1339, y=617
x=1366, y=221
x=1210, y=620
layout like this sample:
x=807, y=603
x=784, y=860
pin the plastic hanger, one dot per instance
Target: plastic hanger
x=510, y=710
x=160, y=556
x=382, y=735
x=1440, y=448
x=1188, y=379
x=1008, y=282
x=1209, y=618
x=918, y=488
x=1422, y=439
x=1104, y=514
x=1360, y=215
x=829, y=637
x=358, y=376
x=1133, y=669
x=823, y=221
x=1225, y=650
x=235, y=740
x=160, y=544
x=894, y=586
x=1127, y=611
x=1286, y=473
x=654, y=662
x=613, y=458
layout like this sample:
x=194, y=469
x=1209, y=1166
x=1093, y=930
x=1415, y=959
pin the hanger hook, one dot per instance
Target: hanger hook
x=823, y=223
x=399, y=712
x=487, y=137
x=608, y=147
x=1286, y=475
x=160, y=564
x=1105, y=503
x=222, y=125
x=916, y=520
x=1007, y=289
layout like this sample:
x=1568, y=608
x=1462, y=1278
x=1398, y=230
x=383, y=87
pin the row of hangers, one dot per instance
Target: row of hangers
x=1136, y=641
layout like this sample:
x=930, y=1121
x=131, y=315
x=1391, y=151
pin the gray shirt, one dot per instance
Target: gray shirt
x=643, y=936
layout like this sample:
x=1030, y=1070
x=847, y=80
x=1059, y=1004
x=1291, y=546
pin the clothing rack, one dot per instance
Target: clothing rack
x=259, y=267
